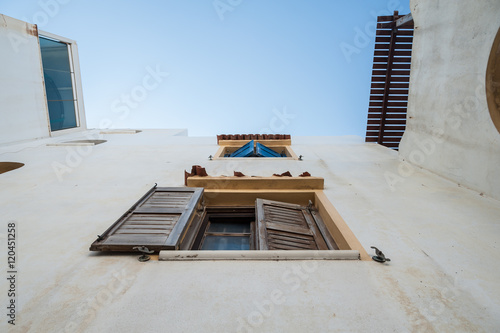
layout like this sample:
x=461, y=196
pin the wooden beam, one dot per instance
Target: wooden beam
x=272, y=183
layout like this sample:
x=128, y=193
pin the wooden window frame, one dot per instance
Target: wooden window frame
x=243, y=212
x=276, y=145
x=263, y=228
x=336, y=225
x=185, y=232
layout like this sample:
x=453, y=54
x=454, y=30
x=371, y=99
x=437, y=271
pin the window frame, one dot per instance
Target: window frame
x=348, y=245
x=76, y=82
x=239, y=212
x=276, y=145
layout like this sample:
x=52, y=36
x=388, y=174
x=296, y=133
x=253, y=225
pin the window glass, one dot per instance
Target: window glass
x=228, y=227
x=58, y=84
x=226, y=243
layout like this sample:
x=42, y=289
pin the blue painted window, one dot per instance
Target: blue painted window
x=263, y=151
x=255, y=150
x=246, y=151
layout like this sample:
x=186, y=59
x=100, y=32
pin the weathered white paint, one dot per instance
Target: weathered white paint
x=23, y=108
x=449, y=129
x=442, y=240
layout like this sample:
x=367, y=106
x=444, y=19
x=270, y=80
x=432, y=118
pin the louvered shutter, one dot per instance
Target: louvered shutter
x=263, y=151
x=284, y=226
x=165, y=218
x=246, y=150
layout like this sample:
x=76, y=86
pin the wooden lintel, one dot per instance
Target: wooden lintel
x=271, y=183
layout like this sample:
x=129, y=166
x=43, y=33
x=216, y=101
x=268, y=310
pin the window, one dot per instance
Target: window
x=227, y=228
x=254, y=149
x=59, y=78
x=179, y=219
x=255, y=145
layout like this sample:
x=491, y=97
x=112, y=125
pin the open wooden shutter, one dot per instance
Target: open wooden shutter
x=165, y=218
x=246, y=150
x=263, y=151
x=284, y=226
x=390, y=80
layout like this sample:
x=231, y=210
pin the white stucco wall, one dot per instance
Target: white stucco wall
x=449, y=129
x=442, y=240
x=23, y=109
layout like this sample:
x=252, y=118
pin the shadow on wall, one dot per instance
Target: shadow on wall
x=493, y=82
x=9, y=166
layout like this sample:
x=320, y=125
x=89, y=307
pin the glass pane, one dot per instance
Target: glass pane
x=54, y=55
x=226, y=243
x=229, y=227
x=61, y=114
x=58, y=84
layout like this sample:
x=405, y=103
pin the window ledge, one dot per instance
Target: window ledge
x=120, y=131
x=77, y=143
x=260, y=255
x=248, y=182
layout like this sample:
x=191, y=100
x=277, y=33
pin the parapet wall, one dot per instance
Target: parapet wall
x=449, y=127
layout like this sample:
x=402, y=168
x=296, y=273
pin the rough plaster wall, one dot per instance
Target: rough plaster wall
x=23, y=112
x=442, y=240
x=449, y=128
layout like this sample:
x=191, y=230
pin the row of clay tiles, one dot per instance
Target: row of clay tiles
x=197, y=170
x=253, y=137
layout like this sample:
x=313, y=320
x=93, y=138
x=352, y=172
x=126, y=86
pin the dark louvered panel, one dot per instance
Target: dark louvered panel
x=284, y=240
x=152, y=229
x=285, y=215
x=390, y=80
x=162, y=199
x=284, y=226
x=165, y=200
x=159, y=220
x=287, y=229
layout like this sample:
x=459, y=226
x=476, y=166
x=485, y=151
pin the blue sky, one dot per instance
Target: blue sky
x=223, y=66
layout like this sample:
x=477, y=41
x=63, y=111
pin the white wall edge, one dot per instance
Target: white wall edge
x=120, y=131
x=62, y=144
x=260, y=255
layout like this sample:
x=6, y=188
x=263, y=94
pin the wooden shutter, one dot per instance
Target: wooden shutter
x=263, y=151
x=165, y=218
x=246, y=150
x=390, y=80
x=284, y=226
